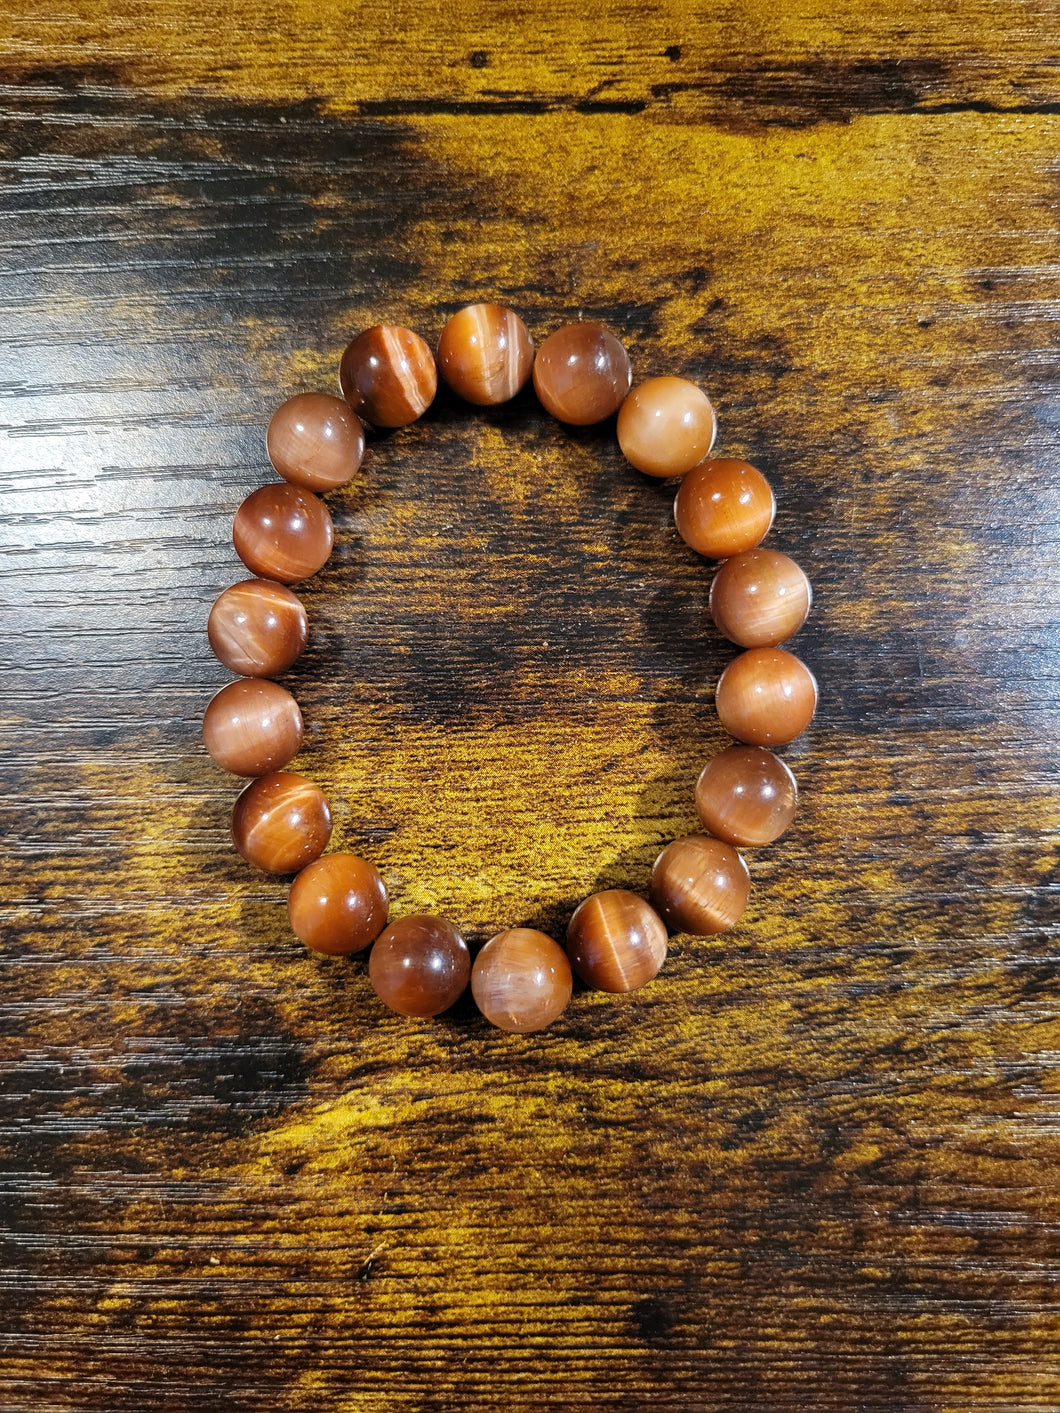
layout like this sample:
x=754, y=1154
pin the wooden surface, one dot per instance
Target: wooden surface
x=815, y=1163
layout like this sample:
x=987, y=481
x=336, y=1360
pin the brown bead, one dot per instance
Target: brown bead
x=766, y=697
x=252, y=727
x=666, y=426
x=760, y=598
x=616, y=941
x=521, y=980
x=338, y=904
x=746, y=795
x=388, y=375
x=420, y=965
x=282, y=532
x=723, y=507
x=315, y=441
x=486, y=353
x=258, y=628
x=700, y=885
x=281, y=822
x=582, y=373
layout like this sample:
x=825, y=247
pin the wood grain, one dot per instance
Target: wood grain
x=814, y=1162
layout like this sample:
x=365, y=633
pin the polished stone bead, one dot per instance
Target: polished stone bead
x=420, y=965
x=521, y=980
x=486, y=354
x=337, y=904
x=700, y=885
x=282, y=532
x=746, y=795
x=666, y=426
x=258, y=628
x=760, y=598
x=252, y=727
x=766, y=697
x=281, y=822
x=315, y=441
x=723, y=507
x=616, y=941
x=388, y=375
x=582, y=373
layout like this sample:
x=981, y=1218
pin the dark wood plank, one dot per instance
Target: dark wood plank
x=814, y=1162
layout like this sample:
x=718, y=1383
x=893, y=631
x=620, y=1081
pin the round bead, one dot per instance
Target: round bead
x=338, y=904
x=486, y=354
x=582, y=373
x=700, y=885
x=258, y=628
x=723, y=507
x=760, y=598
x=521, y=980
x=388, y=375
x=252, y=727
x=766, y=697
x=666, y=426
x=746, y=795
x=315, y=441
x=281, y=822
x=420, y=965
x=282, y=532
x=616, y=941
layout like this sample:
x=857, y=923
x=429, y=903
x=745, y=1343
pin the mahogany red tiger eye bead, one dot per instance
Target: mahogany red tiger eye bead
x=746, y=795
x=315, y=441
x=282, y=532
x=723, y=508
x=258, y=628
x=388, y=375
x=252, y=727
x=486, y=354
x=420, y=965
x=666, y=426
x=700, y=885
x=582, y=373
x=766, y=697
x=616, y=941
x=521, y=980
x=760, y=598
x=281, y=822
x=338, y=904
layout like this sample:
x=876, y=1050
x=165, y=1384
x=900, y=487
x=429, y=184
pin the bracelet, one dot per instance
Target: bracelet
x=616, y=941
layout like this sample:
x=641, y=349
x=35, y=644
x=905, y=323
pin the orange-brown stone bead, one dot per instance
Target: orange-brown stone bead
x=760, y=598
x=252, y=727
x=258, y=628
x=700, y=885
x=388, y=375
x=616, y=941
x=486, y=354
x=282, y=532
x=420, y=965
x=281, y=822
x=666, y=426
x=766, y=697
x=723, y=507
x=746, y=795
x=582, y=373
x=337, y=904
x=521, y=980
x=315, y=441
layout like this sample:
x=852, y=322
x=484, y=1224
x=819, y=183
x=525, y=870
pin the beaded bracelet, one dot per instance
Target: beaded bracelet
x=420, y=965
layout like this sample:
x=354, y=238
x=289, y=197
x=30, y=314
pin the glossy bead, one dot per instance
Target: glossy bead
x=486, y=354
x=388, y=375
x=700, y=885
x=282, y=532
x=420, y=965
x=315, y=441
x=666, y=426
x=582, y=373
x=766, y=697
x=760, y=598
x=746, y=795
x=252, y=727
x=257, y=628
x=723, y=507
x=616, y=941
x=337, y=904
x=281, y=822
x=521, y=980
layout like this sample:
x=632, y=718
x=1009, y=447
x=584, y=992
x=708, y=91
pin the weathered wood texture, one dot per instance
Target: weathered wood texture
x=814, y=1164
